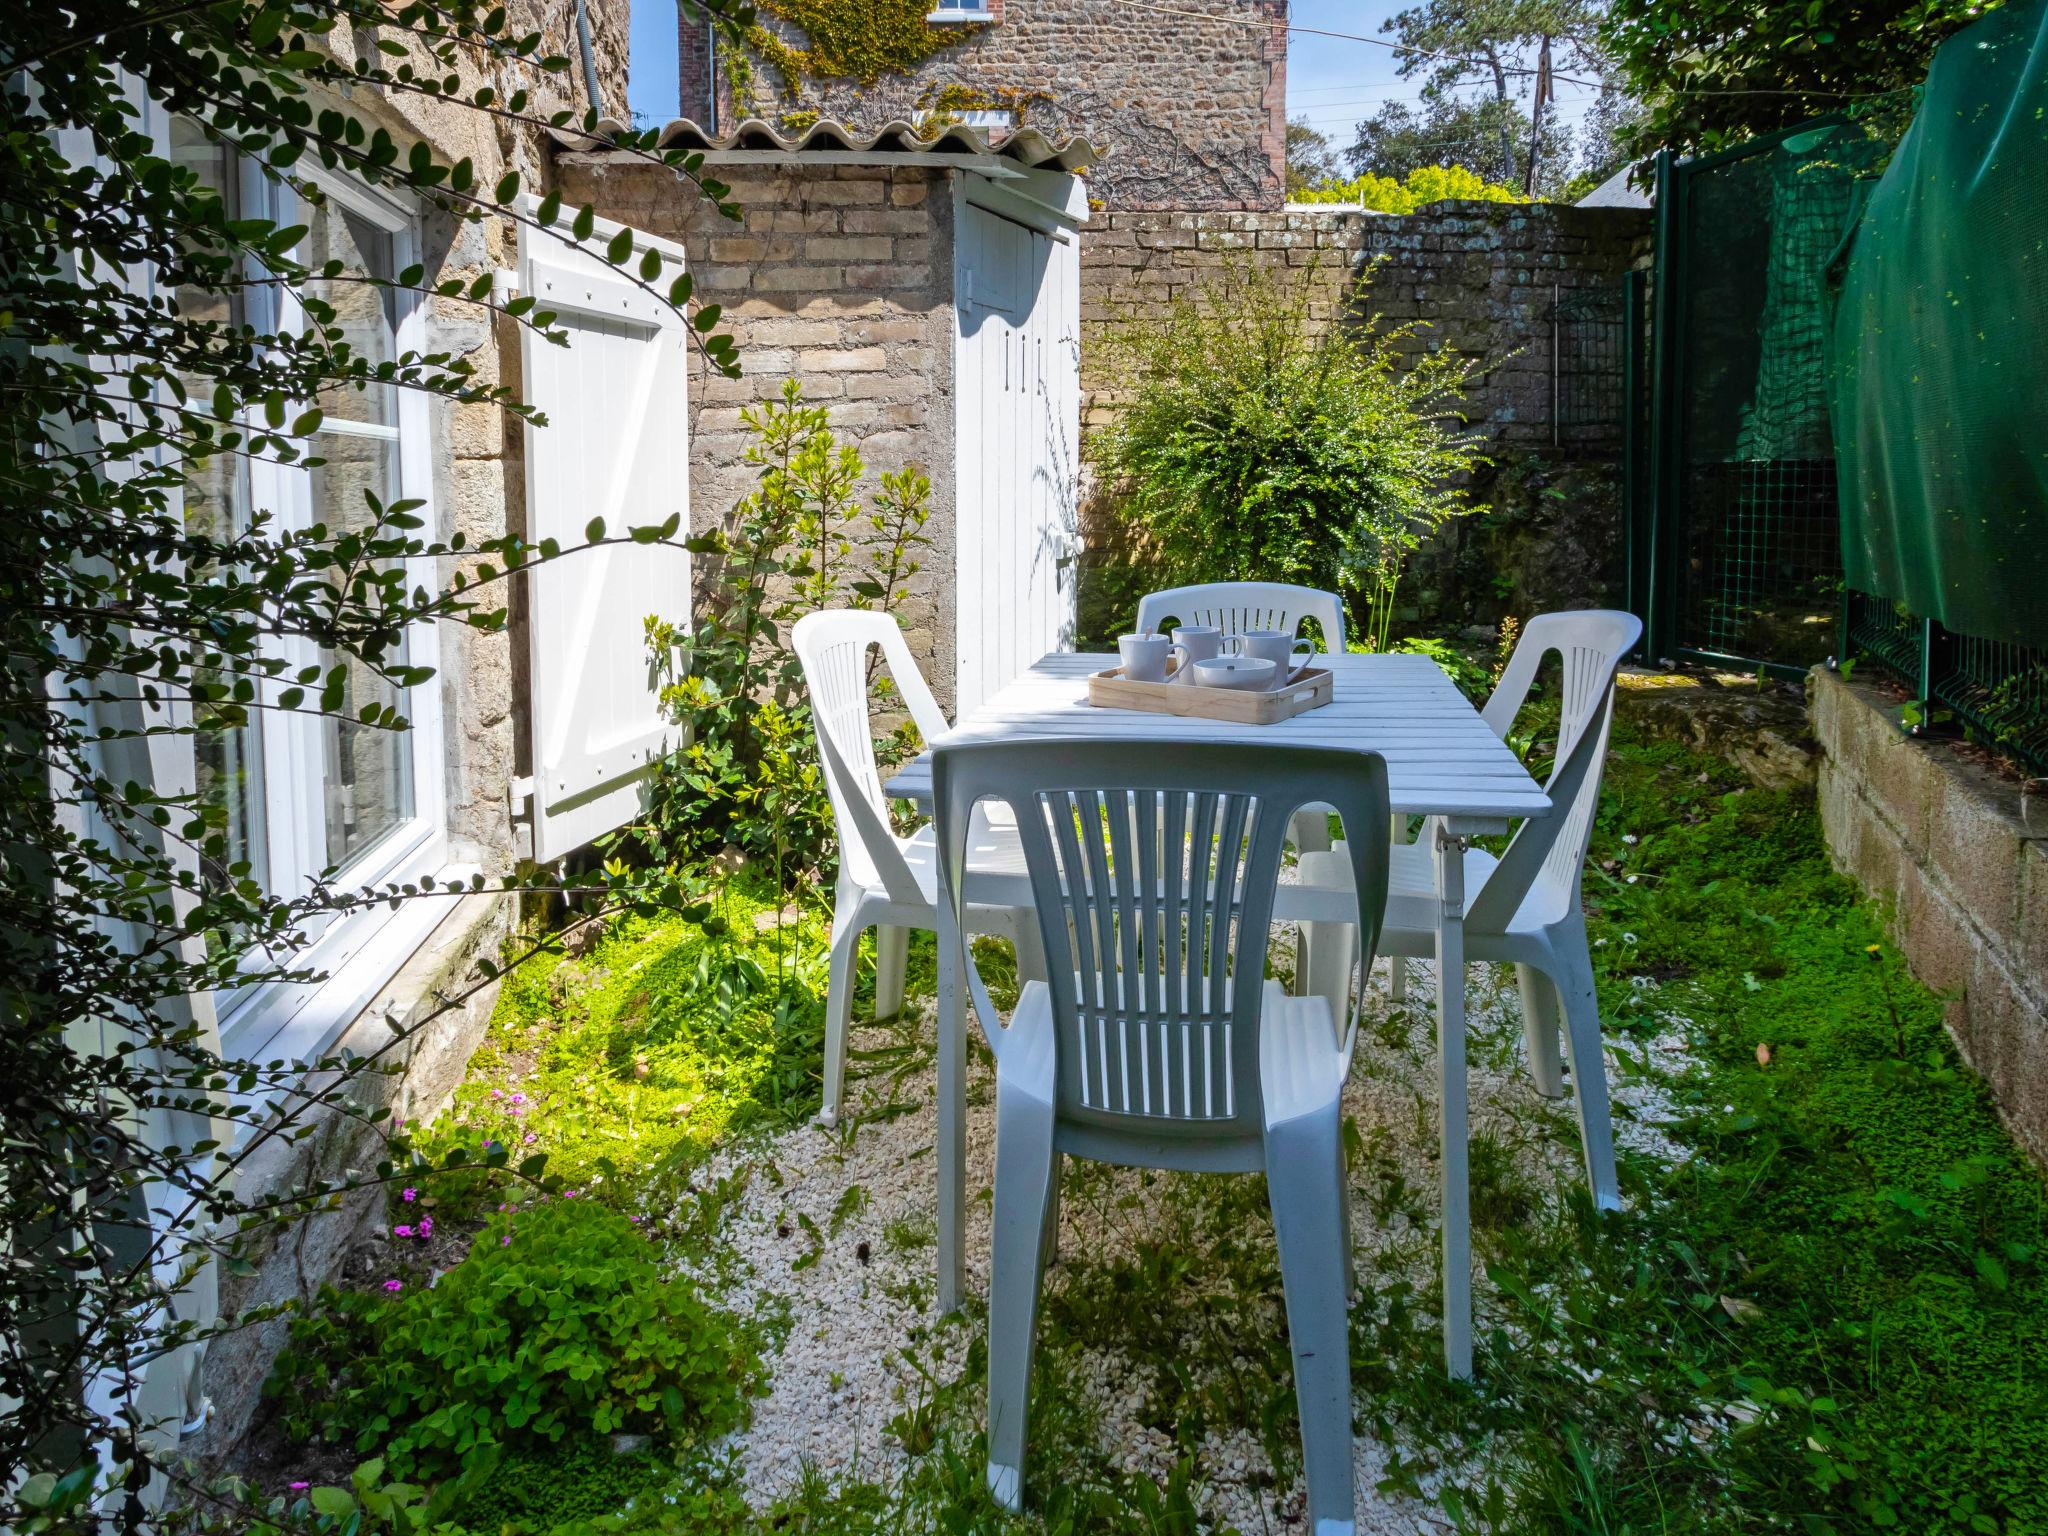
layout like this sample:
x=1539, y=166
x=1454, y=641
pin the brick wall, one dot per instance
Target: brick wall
x=1190, y=104
x=841, y=277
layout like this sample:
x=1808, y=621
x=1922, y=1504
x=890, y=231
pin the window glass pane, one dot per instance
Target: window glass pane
x=216, y=504
x=369, y=772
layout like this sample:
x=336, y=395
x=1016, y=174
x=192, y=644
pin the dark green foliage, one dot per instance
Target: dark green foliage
x=1715, y=72
x=558, y=1324
x=1263, y=442
x=144, y=614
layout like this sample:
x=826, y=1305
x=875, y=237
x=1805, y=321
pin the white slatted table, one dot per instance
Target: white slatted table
x=1442, y=761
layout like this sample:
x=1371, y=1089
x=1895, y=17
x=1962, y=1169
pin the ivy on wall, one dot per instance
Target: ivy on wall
x=857, y=40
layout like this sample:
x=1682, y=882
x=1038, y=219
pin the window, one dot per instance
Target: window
x=307, y=795
x=962, y=10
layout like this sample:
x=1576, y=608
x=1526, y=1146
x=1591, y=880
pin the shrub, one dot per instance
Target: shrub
x=1424, y=185
x=800, y=541
x=1263, y=444
x=558, y=1323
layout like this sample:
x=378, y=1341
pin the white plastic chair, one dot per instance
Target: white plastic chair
x=1525, y=908
x=1236, y=606
x=886, y=882
x=1157, y=1042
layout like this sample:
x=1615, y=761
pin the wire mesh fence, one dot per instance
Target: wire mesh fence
x=1748, y=528
x=1588, y=363
x=1996, y=691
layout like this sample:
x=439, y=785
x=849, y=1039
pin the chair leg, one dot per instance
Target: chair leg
x=1308, y=1222
x=1309, y=831
x=892, y=957
x=1589, y=1072
x=1049, y=1250
x=1539, y=1030
x=845, y=953
x=1027, y=1171
x=1030, y=944
x=1326, y=964
x=1397, y=968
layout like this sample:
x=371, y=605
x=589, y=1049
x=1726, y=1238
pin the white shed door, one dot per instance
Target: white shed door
x=1018, y=392
x=615, y=447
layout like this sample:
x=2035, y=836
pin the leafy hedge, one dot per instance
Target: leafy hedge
x=560, y=1322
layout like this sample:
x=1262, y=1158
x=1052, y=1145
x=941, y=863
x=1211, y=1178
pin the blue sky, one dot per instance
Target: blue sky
x=1331, y=81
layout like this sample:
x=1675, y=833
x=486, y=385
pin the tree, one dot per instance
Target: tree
x=1310, y=157
x=1715, y=72
x=1510, y=52
x=133, y=363
x=1467, y=133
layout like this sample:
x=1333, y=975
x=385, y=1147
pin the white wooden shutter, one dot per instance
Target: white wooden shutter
x=615, y=447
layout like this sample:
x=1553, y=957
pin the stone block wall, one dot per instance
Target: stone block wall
x=1961, y=858
x=839, y=276
x=1477, y=279
x=1191, y=105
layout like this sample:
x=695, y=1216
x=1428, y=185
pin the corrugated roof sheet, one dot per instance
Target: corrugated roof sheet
x=1027, y=146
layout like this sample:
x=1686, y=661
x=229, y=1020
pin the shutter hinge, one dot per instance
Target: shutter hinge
x=519, y=795
x=504, y=284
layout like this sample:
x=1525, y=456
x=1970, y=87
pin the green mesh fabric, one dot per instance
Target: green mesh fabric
x=1757, y=528
x=1938, y=384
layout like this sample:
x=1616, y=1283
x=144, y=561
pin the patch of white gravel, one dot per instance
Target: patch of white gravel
x=865, y=1345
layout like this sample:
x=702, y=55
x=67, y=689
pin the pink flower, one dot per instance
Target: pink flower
x=505, y=1241
x=300, y=1487
x=497, y=1093
x=568, y=1194
x=408, y=1194
x=531, y=1138
x=401, y=1231
x=517, y=1098
x=394, y=1285
x=426, y=1226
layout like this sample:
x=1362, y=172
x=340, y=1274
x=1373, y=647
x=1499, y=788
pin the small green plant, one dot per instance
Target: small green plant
x=1266, y=441
x=559, y=1323
x=798, y=542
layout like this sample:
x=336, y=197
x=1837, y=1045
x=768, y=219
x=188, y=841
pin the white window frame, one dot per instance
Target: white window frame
x=360, y=952
x=960, y=11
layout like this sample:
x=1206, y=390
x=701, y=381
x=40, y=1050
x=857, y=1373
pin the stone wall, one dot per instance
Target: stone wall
x=1961, y=858
x=841, y=276
x=1476, y=279
x=1190, y=105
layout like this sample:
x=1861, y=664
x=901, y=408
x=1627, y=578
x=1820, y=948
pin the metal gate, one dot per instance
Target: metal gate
x=1743, y=564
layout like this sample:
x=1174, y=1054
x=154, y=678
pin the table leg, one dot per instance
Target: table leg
x=1451, y=1097
x=951, y=1150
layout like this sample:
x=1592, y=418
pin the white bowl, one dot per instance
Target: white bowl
x=1247, y=673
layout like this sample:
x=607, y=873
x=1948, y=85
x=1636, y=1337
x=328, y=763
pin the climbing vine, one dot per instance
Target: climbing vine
x=857, y=40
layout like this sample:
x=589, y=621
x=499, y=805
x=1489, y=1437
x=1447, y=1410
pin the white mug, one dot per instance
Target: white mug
x=1199, y=642
x=1145, y=657
x=1252, y=674
x=1290, y=657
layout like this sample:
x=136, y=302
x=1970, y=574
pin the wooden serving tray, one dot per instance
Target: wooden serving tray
x=1311, y=690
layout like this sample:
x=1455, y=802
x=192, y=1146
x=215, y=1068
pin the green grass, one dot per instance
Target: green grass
x=1828, y=1313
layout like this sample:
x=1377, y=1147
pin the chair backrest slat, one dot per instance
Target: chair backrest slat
x=1154, y=880
x=1236, y=606
x=1543, y=865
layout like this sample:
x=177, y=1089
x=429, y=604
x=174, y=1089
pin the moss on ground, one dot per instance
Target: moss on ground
x=1826, y=1313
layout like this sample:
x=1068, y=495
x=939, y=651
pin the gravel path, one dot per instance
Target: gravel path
x=852, y=1273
